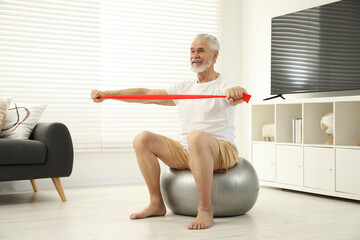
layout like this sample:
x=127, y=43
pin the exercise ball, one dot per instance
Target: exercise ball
x=233, y=192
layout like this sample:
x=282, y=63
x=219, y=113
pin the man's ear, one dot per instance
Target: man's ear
x=215, y=55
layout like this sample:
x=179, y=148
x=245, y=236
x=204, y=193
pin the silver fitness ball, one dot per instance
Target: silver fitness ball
x=233, y=192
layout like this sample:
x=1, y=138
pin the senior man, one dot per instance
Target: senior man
x=207, y=131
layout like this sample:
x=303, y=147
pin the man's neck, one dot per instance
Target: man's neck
x=207, y=76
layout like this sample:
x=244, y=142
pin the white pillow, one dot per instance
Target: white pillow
x=21, y=120
x=4, y=105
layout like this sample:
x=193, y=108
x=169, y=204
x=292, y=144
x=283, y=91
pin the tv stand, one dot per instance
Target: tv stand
x=273, y=97
x=309, y=165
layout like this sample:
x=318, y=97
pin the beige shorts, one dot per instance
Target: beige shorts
x=228, y=154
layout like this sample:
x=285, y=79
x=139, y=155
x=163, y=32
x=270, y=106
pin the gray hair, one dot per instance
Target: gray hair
x=213, y=42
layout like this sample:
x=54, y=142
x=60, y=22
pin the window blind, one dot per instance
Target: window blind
x=55, y=52
x=50, y=53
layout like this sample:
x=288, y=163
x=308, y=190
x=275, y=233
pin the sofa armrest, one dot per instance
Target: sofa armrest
x=59, y=147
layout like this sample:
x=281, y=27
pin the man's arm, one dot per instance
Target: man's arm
x=234, y=95
x=96, y=94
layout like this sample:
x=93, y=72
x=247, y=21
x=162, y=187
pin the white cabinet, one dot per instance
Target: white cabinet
x=319, y=168
x=348, y=170
x=289, y=160
x=319, y=163
x=264, y=161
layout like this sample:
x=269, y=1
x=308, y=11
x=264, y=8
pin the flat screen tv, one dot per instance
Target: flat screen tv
x=317, y=49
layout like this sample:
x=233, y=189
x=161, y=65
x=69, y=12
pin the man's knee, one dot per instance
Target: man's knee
x=142, y=139
x=198, y=138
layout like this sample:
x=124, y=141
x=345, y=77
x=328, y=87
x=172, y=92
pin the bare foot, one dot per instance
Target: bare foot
x=203, y=220
x=150, y=211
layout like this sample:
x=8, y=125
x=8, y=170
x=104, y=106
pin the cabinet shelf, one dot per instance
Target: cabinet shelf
x=347, y=147
x=263, y=142
x=320, y=163
x=347, y=123
x=285, y=113
x=262, y=114
x=290, y=144
x=319, y=145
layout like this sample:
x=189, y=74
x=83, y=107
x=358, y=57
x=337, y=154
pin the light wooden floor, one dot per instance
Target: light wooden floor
x=102, y=213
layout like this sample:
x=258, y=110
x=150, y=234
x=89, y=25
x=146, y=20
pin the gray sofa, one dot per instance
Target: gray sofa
x=47, y=154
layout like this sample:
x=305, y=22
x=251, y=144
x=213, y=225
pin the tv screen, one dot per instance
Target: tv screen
x=317, y=49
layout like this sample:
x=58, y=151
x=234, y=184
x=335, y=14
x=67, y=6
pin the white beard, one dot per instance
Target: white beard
x=202, y=68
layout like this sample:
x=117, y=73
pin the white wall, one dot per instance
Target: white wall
x=90, y=169
x=230, y=52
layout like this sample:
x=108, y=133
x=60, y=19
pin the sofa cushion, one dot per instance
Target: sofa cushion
x=4, y=105
x=21, y=120
x=20, y=152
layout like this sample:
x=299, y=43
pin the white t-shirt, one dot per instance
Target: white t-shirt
x=214, y=116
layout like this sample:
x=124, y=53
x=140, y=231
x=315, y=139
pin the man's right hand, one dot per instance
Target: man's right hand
x=95, y=94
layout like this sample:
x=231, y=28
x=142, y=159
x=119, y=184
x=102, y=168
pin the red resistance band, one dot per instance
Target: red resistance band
x=246, y=97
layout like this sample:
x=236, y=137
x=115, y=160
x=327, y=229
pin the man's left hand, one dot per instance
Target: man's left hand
x=234, y=95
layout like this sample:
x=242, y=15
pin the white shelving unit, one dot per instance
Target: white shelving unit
x=309, y=166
